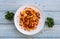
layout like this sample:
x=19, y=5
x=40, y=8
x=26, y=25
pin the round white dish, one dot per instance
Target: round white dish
x=39, y=26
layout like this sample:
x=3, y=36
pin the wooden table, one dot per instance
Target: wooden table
x=51, y=8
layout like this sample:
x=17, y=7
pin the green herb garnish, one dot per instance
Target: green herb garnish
x=9, y=15
x=50, y=22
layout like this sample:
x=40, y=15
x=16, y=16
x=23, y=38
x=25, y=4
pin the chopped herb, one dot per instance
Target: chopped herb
x=50, y=22
x=9, y=15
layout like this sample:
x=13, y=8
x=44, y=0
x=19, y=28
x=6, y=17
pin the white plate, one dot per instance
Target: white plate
x=17, y=20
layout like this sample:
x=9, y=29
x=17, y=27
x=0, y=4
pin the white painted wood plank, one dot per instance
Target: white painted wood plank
x=11, y=32
x=46, y=34
x=16, y=38
x=12, y=38
x=53, y=5
x=29, y=38
x=12, y=27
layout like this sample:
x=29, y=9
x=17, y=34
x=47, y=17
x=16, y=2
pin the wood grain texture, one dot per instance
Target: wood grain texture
x=11, y=32
x=29, y=38
x=52, y=5
x=51, y=8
